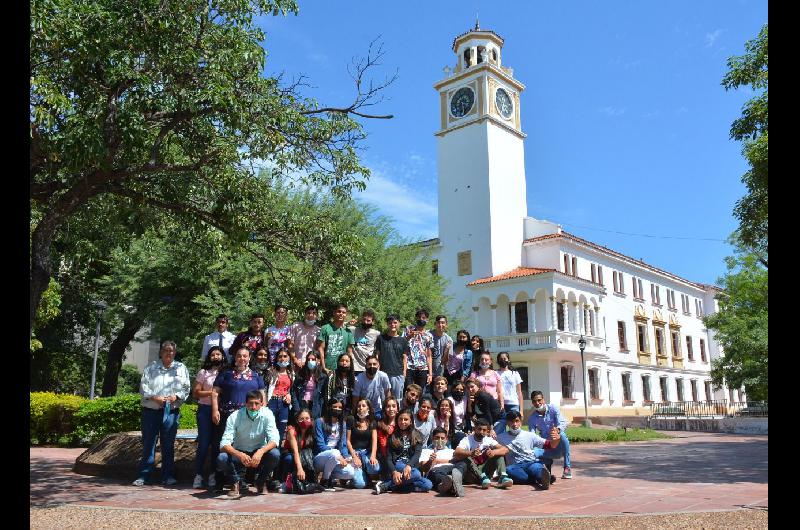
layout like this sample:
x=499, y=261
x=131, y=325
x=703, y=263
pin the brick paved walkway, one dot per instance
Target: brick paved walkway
x=693, y=472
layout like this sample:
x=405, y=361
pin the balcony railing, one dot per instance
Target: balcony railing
x=541, y=340
x=709, y=409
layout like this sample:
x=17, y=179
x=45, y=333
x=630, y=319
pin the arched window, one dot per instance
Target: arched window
x=481, y=51
x=494, y=56
x=467, y=57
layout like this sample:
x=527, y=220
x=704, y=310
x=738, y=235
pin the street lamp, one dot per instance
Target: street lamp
x=100, y=307
x=586, y=422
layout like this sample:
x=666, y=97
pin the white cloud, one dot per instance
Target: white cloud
x=712, y=37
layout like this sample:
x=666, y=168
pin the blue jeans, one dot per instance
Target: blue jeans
x=525, y=472
x=415, y=482
x=327, y=462
x=361, y=478
x=235, y=469
x=155, y=424
x=551, y=454
x=205, y=430
x=280, y=409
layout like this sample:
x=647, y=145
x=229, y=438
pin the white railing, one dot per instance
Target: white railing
x=541, y=340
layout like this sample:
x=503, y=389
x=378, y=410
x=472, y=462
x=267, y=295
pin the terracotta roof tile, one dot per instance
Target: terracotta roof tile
x=516, y=273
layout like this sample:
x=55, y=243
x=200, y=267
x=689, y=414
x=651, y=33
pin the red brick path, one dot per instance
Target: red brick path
x=695, y=472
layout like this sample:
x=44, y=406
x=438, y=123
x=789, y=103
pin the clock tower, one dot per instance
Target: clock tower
x=481, y=165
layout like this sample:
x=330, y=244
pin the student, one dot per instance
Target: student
x=308, y=385
x=389, y=349
x=260, y=362
x=341, y=382
x=365, y=337
x=436, y=462
x=482, y=405
x=459, y=364
x=444, y=419
x=477, y=457
x=278, y=334
x=250, y=441
x=373, y=385
x=523, y=465
x=221, y=338
x=417, y=360
x=476, y=345
x=279, y=396
x=439, y=390
x=362, y=443
x=298, y=457
x=460, y=402
x=405, y=448
x=490, y=380
x=303, y=336
x=385, y=429
x=511, y=383
x=424, y=421
x=203, y=384
x=542, y=420
x=330, y=450
x=335, y=339
x=251, y=339
x=441, y=347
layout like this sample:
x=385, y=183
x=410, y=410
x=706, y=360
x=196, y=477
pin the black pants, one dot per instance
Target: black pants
x=419, y=377
x=435, y=475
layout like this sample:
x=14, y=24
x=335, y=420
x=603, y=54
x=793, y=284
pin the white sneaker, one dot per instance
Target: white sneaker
x=138, y=482
x=212, y=481
x=198, y=482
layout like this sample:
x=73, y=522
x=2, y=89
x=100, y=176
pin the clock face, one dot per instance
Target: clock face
x=504, y=104
x=462, y=102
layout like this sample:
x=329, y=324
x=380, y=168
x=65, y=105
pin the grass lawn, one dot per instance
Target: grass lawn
x=582, y=434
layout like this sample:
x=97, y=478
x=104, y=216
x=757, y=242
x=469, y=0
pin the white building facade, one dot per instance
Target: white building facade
x=531, y=289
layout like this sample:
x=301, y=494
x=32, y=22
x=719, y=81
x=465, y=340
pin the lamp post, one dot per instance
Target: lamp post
x=586, y=422
x=100, y=307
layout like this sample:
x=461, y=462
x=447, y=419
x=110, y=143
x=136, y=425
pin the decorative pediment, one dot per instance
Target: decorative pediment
x=658, y=318
x=673, y=322
x=639, y=313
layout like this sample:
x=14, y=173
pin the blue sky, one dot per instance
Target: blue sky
x=626, y=119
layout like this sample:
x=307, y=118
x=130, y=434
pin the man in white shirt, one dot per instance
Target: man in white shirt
x=476, y=459
x=222, y=337
x=372, y=384
x=436, y=461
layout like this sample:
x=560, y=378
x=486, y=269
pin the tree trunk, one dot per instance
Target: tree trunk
x=131, y=326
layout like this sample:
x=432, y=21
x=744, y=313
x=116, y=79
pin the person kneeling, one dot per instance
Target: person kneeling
x=477, y=457
x=524, y=467
x=250, y=441
x=405, y=449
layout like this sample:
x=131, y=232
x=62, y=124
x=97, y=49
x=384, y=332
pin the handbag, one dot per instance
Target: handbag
x=303, y=487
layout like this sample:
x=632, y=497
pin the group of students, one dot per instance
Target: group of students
x=296, y=408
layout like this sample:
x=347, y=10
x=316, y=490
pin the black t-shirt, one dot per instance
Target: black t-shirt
x=390, y=354
x=360, y=439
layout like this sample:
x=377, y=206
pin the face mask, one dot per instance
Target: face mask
x=478, y=437
x=422, y=323
x=541, y=409
x=371, y=371
x=364, y=325
x=423, y=416
x=363, y=415
x=458, y=396
x=462, y=343
x=252, y=414
x=305, y=424
x=283, y=364
x=218, y=362
x=261, y=366
x=312, y=365
x=503, y=363
x=336, y=413
x=485, y=365
x=310, y=322
x=513, y=432
x=342, y=369
x=439, y=444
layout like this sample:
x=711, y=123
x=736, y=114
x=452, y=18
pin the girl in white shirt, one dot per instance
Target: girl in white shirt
x=512, y=384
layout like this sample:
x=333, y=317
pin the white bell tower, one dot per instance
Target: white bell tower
x=481, y=163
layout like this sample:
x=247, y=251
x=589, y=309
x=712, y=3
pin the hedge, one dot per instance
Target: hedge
x=52, y=417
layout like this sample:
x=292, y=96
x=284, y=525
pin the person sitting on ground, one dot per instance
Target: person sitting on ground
x=523, y=464
x=330, y=449
x=436, y=462
x=405, y=448
x=477, y=457
x=297, y=457
x=250, y=441
x=542, y=420
x=424, y=421
x=362, y=442
x=482, y=405
x=385, y=429
x=308, y=385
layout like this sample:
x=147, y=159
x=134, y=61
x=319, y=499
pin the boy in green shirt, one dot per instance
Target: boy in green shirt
x=335, y=339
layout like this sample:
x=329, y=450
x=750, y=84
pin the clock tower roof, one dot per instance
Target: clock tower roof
x=477, y=32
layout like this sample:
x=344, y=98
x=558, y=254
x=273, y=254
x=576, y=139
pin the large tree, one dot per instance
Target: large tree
x=751, y=69
x=163, y=103
x=742, y=327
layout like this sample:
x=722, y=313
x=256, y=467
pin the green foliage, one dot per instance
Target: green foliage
x=47, y=311
x=188, y=418
x=102, y=416
x=129, y=379
x=582, y=434
x=52, y=417
x=742, y=327
x=751, y=69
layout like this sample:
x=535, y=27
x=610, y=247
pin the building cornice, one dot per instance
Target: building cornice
x=485, y=117
x=477, y=69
